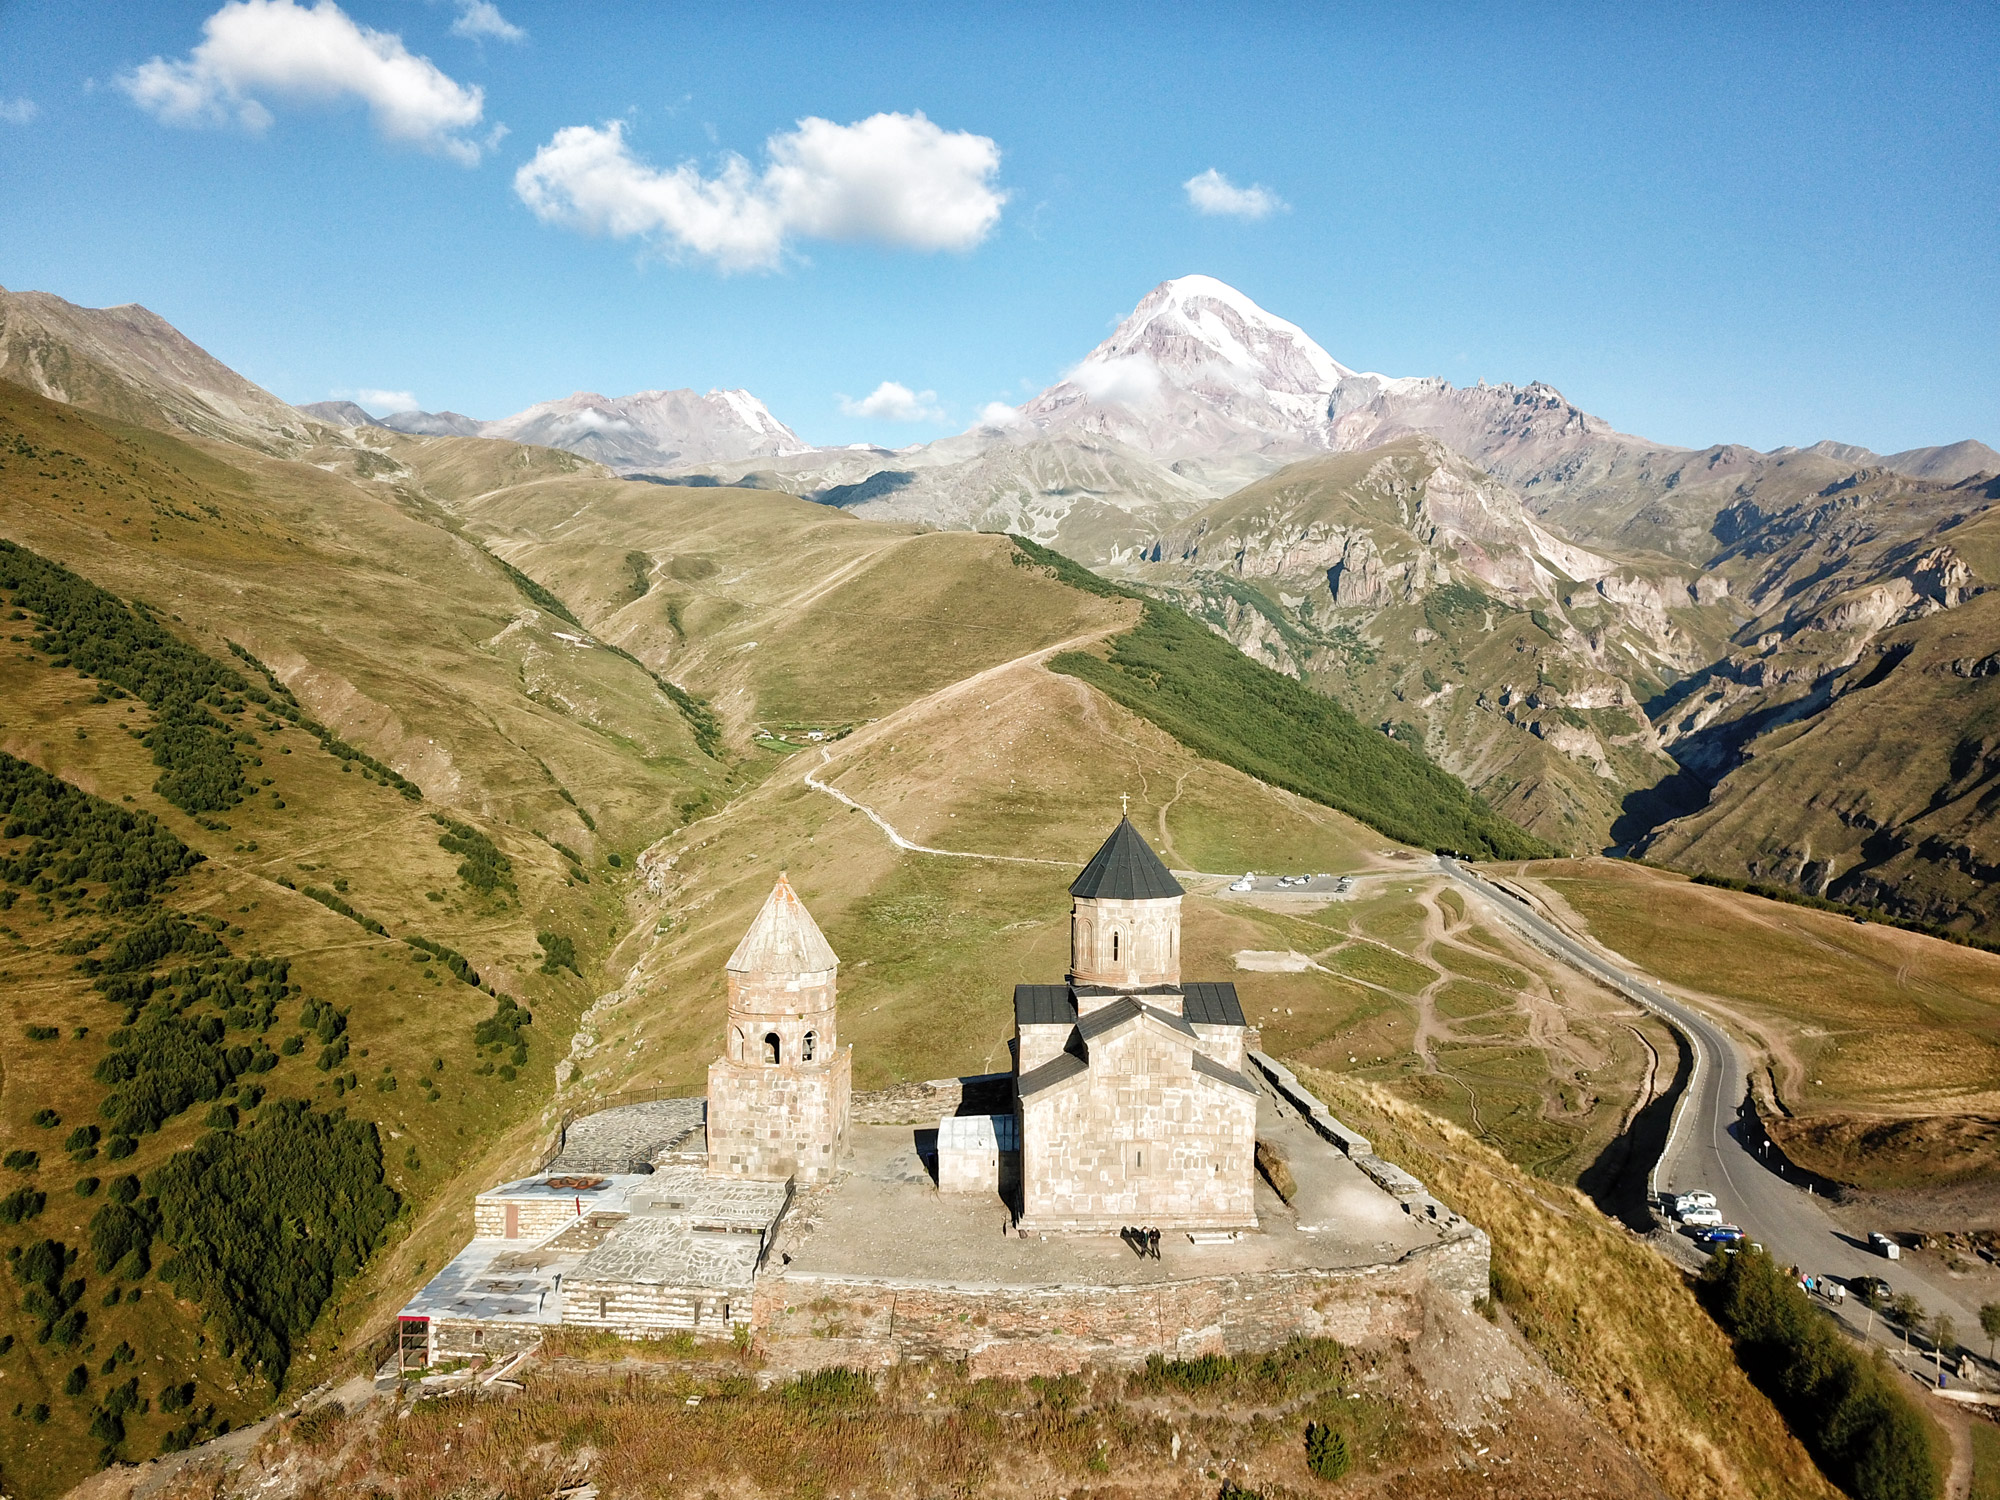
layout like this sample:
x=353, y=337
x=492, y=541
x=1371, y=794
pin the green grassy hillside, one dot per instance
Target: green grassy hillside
x=1199, y=688
x=276, y=840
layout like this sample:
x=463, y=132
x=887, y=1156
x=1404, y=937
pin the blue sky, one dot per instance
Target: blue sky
x=1703, y=225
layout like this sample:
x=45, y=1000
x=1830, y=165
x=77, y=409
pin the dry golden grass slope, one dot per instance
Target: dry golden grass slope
x=1608, y=1315
x=779, y=611
x=1861, y=1026
x=408, y=642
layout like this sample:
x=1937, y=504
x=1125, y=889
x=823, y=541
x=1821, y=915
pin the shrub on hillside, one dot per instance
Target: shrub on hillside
x=265, y=1223
x=481, y=864
x=75, y=838
x=1327, y=1454
x=191, y=694
x=48, y=1293
x=1849, y=1411
x=558, y=952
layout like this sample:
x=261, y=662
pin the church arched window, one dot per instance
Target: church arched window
x=1114, y=947
x=772, y=1048
x=738, y=1054
x=811, y=1045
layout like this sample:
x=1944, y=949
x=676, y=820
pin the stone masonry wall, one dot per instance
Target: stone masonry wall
x=540, y=1216
x=769, y=1123
x=1149, y=944
x=922, y=1103
x=1140, y=1139
x=809, y=1322
x=637, y=1310
x=465, y=1338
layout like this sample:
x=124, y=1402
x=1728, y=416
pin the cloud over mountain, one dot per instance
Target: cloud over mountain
x=891, y=179
x=253, y=50
x=381, y=402
x=895, y=402
x=1215, y=195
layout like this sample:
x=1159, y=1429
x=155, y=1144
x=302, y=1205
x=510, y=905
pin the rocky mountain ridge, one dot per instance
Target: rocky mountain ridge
x=1611, y=639
x=640, y=433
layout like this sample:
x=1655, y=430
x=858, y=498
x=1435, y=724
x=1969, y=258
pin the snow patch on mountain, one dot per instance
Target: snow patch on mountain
x=1199, y=371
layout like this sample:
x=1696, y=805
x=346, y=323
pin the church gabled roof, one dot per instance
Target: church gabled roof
x=1125, y=869
x=784, y=939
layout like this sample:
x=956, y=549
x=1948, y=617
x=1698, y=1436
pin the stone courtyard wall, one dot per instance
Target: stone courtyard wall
x=922, y=1103
x=808, y=1322
x=466, y=1338
x=637, y=1310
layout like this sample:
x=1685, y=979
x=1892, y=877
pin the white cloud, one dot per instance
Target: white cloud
x=281, y=50
x=999, y=414
x=892, y=401
x=592, y=420
x=481, y=18
x=1123, y=380
x=19, y=111
x=1212, y=193
x=381, y=403
x=890, y=179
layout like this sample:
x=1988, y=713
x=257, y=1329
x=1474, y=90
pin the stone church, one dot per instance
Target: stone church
x=1130, y=1096
x=778, y=1095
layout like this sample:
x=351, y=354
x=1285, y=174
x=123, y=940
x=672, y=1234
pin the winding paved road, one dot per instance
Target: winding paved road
x=1708, y=1147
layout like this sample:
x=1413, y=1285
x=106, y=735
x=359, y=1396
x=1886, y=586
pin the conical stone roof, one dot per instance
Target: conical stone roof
x=1125, y=869
x=784, y=939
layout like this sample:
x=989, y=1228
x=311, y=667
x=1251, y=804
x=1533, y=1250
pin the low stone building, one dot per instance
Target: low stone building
x=641, y=1253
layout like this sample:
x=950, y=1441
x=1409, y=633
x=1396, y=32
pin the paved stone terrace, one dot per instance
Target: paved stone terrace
x=663, y=1251
x=884, y=1219
x=631, y=1137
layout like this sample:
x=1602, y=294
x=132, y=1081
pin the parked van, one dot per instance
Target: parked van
x=1702, y=1218
x=1883, y=1245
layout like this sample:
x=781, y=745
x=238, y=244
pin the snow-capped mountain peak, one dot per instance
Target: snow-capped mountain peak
x=1193, y=321
x=1199, y=370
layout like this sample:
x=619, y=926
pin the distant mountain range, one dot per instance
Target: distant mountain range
x=1773, y=664
x=626, y=433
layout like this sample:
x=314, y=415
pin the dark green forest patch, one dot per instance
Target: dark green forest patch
x=1219, y=703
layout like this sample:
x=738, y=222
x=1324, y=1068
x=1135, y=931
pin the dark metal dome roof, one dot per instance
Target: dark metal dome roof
x=1125, y=869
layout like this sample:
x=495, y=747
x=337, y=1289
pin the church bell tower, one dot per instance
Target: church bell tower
x=778, y=1095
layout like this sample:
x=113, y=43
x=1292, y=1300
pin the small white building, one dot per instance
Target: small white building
x=978, y=1154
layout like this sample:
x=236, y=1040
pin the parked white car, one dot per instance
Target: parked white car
x=1697, y=1199
x=1702, y=1218
x=1248, y=881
